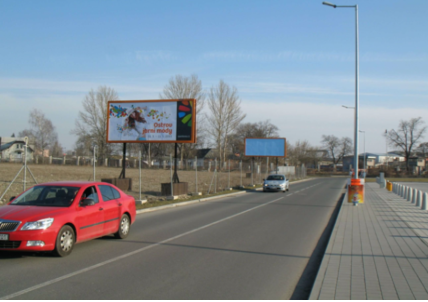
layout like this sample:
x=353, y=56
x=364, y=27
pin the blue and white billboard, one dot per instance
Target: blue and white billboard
x=267, y=147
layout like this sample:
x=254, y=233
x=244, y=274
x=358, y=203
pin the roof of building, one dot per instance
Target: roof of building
x=201, y=153
x=10, y=144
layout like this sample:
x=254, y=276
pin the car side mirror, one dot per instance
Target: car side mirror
x=87, y=202
x=12, y=198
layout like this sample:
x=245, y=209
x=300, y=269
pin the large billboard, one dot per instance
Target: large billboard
x=152, y=121
x=265, y=147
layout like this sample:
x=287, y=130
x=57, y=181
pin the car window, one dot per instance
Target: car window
x=90, y=193
x=30, y=196
x=275, y=177
x=54, y=196
x=116, y=193
x=106, y=192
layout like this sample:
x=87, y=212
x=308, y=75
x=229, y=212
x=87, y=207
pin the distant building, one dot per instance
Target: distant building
x=372, y=160
x=12, y=149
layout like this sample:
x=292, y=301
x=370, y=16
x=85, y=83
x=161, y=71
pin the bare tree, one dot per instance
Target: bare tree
x=422, y=149
x=337, y=148
x=303, y=153
x=42, y=131
x=407, y=136
x=259, y=129
x=57, y=150
x=92, y=121
x=225, y=115
x=181, y=87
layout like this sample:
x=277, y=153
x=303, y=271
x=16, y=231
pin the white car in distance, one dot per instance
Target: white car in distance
x=276, y=182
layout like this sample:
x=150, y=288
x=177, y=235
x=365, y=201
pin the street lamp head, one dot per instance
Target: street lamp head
x=329, y=4
x=347, y=107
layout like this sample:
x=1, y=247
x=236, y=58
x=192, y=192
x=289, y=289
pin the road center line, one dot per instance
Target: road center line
x=47, y=283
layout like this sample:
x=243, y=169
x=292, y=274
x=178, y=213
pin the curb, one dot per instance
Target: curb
x=185, y=203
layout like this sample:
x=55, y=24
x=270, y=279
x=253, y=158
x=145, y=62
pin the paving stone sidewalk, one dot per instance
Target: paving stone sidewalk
x=378, y=250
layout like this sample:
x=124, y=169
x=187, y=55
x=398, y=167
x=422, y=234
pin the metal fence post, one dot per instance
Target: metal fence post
x=172, y=187
x=240, y=165
x=228, y=186
x=94, y=161
x=215, y=176
x=196, y=174
x=139, y=167
x=25, y=164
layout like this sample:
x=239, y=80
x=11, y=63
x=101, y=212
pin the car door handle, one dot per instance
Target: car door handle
x=119, y=204
x=101, y=209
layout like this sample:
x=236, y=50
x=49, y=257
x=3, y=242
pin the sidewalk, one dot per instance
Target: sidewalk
x=378, y=250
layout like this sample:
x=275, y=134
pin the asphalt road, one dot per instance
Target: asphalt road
x=253, y=246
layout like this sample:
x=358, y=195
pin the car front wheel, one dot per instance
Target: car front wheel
x=124, y=227
x=65, y=241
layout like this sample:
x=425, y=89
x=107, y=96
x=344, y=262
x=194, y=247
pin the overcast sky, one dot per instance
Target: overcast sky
x=293, y=62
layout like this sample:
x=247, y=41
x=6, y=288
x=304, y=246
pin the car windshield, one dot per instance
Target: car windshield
x=275, y=177
x=47, y=196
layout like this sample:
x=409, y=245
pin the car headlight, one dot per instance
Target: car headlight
x=265, y=185
x=42, y=224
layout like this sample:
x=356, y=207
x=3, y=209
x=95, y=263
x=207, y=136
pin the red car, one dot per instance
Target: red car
x=54, y=216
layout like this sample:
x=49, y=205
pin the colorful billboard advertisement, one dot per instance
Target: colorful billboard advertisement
x=265, y=147
x=152, y=121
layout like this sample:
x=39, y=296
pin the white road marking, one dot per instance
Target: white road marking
x=47, y=283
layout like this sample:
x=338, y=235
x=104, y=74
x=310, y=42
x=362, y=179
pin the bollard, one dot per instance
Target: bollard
x=414, y=193
x=424, y=201
x=409, y=194
x=419, y=199
x=401, y=191
x=405, y=192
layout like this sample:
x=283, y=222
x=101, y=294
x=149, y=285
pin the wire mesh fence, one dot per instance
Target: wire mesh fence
x=201, y=174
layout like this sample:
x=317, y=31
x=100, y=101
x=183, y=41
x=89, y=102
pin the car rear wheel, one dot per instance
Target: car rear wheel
x=64, y=241
x=124, y=227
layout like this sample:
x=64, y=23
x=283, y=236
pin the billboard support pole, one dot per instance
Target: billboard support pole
x=122, y=174
x=175, y=177
x=277, y=165
x=252, y=170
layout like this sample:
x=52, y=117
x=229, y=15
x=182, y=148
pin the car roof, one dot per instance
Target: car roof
x=276, y=175
x=71, y=183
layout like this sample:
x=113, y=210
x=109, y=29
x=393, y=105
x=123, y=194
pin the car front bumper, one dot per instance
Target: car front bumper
x=18, y=240
x=274, y=188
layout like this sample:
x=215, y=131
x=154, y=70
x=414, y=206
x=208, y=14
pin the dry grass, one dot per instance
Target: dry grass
x=150, y=178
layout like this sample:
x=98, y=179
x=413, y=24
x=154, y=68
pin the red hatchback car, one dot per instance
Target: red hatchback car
x=54, y=216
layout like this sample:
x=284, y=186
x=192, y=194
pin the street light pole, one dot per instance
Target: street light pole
x=365, y=172
x=356, y=83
